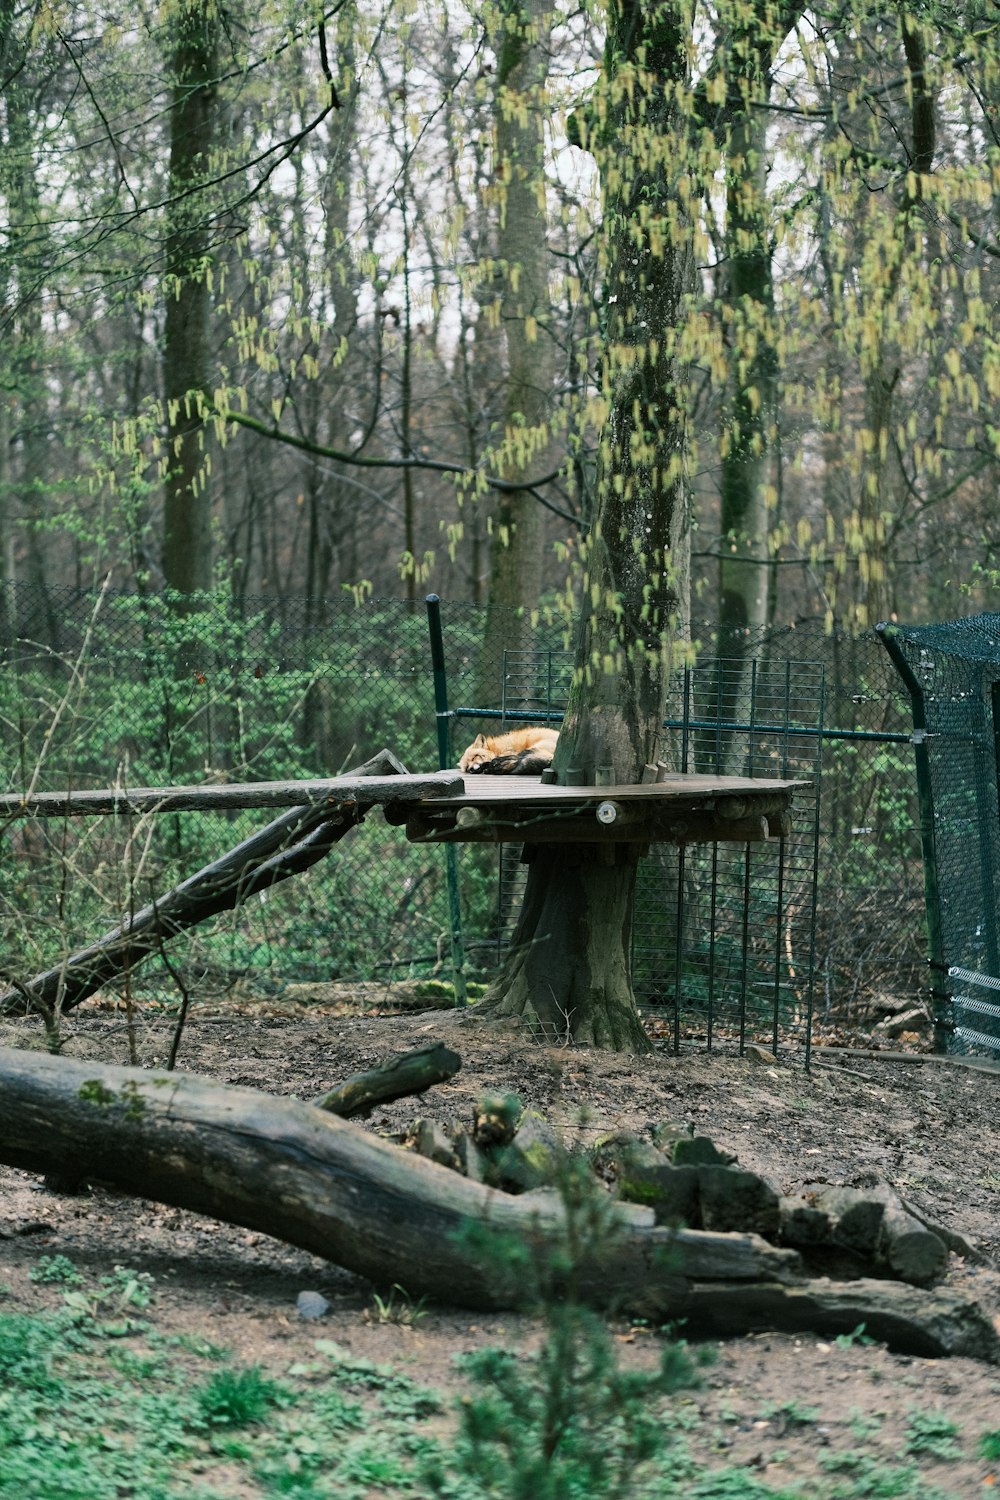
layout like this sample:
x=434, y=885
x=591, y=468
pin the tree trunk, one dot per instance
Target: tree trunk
x=187, y=517
x=293, y=1171
x=568, y=973
x=516, y=526
x=748, y=300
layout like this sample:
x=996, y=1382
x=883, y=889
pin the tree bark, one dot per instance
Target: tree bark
x=407, y=1073
x=187, y=516
x=516, y=525
x=295, y=1172
x=748, y=438
x=568, y=973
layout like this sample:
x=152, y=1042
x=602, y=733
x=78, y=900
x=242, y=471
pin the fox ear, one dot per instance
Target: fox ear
x=478, y=741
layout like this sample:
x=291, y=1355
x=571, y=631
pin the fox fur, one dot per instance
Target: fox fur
x=522, y=752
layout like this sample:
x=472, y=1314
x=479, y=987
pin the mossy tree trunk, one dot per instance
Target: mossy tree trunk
x=660, y=140
x=568, y=973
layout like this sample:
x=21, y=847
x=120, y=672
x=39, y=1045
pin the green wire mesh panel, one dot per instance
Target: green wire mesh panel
x=724, y=937
x=952, y=671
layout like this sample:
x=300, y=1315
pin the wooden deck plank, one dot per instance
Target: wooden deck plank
x=485, y=791
x=336, y=790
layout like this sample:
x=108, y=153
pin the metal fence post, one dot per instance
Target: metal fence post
x=444, y=757
x=928, y=847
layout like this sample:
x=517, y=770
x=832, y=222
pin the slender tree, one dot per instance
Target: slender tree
x=187, y=514
x=517, y=519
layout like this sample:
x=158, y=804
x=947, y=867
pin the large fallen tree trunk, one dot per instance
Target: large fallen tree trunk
x=295, y=1172
x=287, y=846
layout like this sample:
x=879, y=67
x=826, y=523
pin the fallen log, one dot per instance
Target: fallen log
x=287, y=846
x=292, y=1171
x=296, y=1172
x=908, y=1319
x=406, y=1073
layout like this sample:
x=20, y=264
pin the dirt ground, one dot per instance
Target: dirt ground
x=930, y=1129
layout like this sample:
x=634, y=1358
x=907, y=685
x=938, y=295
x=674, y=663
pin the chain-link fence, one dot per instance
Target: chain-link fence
x=126, y=688
x=952, y=672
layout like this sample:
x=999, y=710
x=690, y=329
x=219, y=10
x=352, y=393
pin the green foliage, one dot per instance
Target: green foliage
x=398, y=1307
x=736, y=1484
x=989, y=1445
x=861, y=1476
x=238, y=1398
x=57, y=1269
x=932, y=1434
x=792, y=1414
x=151, y=696
x=857, y=1336
x=568, y=1421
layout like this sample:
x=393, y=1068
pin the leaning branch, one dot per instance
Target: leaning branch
x=287, y=846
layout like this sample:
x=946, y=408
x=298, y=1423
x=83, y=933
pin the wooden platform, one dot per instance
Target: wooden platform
x=447, y=807
x=683, y=809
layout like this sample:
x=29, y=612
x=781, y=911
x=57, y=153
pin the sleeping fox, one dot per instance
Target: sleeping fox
x=523, y=752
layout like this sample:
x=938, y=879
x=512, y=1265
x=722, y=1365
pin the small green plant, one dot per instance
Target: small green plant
x=857, y=1337
x=238, y=1398
x=735, y=1484
x=568, y=1421
x=109, y=1306
x=865, y=1424
x=791, y=1413
x=398, y=1308
x=57, y=1270
x=933, y=1434
x=865, y=1478
x=989, y=1446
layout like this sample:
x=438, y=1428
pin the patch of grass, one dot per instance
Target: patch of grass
x=864, y=1477
x=932, y=1434
x=398, y=1308
x=736, y=1484
x=239, y=1398
x=791, y=1414
x=865, y=1424
x=83, y=1418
